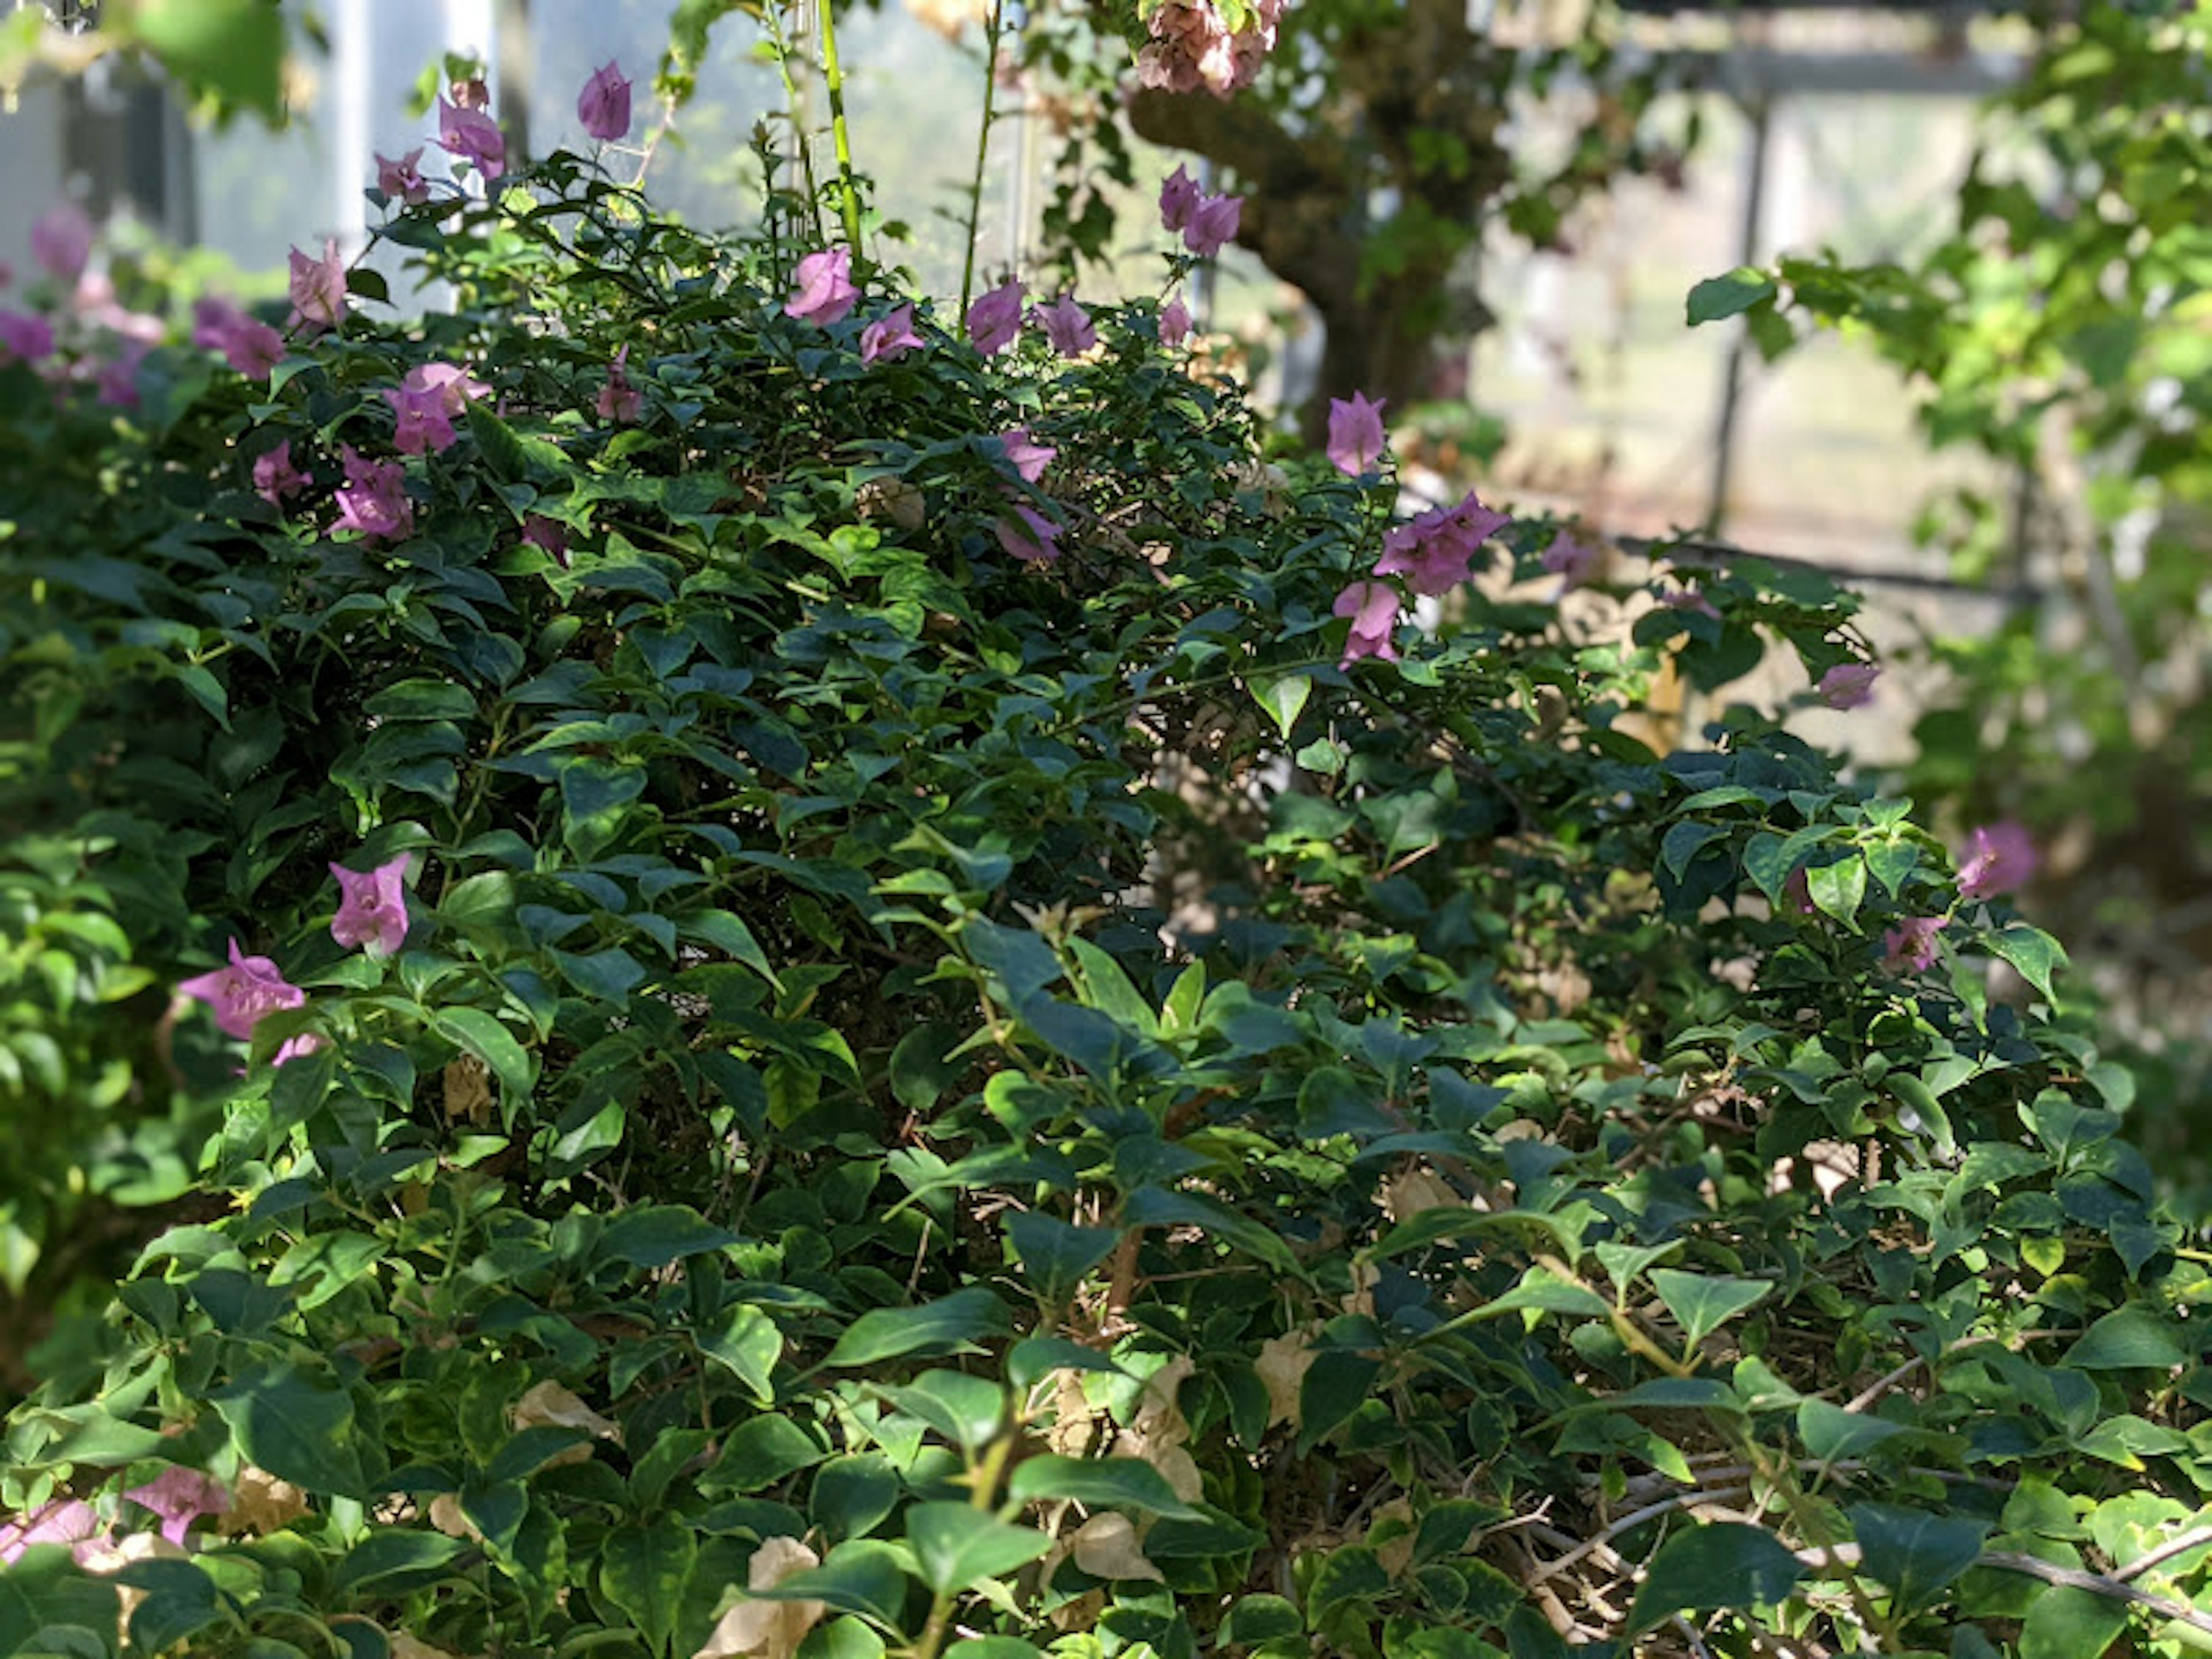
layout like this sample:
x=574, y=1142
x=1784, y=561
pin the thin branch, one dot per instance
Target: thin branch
x=1632, y=1520
x=2097, y=1583
x=2179, y=1545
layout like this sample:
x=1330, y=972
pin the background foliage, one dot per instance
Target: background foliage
x=2060, y=328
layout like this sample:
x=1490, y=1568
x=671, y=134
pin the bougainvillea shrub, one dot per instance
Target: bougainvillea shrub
x=855, y=994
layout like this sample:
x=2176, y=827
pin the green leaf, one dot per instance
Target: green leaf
x=1702, y=1304
x=1257, y=1619
x=396, y=1561
x=655, y=1235
x=1125, y=1483
x=1353, y=1572
x=44, y=1587
x=1726, y=1565
x=958, y=1544
x=1838, y=889
x=1727, y=296
x=966, y=1410
x=1914, y=1552
x=1545, y=1292
x=953, y=1324
x=298, y=1429
x=747, y=1341
x=1335, y=1385
x=232, y=48
x=729, y=934
x=1283, y=696
x=759, y=1452
x=1055, y=1255
x=2033, y=952
x=1684, y=841
x=863, y=1577
x=180, y=1602
x=1830, y=1432
x=2065, y=1623
x=852, y=1495
x=2129, y=1338
x=476, y=1032
x=642, y=1571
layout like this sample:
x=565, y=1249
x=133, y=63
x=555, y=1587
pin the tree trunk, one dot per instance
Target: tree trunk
x=1413, y=111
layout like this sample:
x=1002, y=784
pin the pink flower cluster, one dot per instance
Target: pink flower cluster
x=424, y=405
x=372, y=916
x=1996, y=859
x=1067, y=326
x=1435, y=552
x=402, y=180
x=1028, y=535
x=619, y=401
x=996, y=317
x=825, y=294
x=1848, y=685
x=247, y=344
x=374, y=499
x=467, y=132
x=109, y=340
x=318, y=289
x=1432, y=554
x=1193, y=47
x=1204, y=221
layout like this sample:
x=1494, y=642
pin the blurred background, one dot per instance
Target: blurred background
x=1974, y=381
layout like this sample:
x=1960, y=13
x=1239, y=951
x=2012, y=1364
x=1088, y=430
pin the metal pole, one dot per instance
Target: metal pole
x=353, y=72
x=1758, y=109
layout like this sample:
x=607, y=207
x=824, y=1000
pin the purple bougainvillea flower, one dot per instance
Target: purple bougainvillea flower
x=1997, y=857
x=116, y=382
x=604, y=105
x=1691, y=599
x=825, y=294
x=1434, y=551
x=243, y=993
x=68, y=1521
x=1848, y=685
x=318, y=289
x=1029, y=536
x=24, y=338
x=1911, y=945
x=249, y=345
x=1356, y=442
x=422, y=421
x=541, y=532
x=402, y=180
x=372, y=906
x=1372, y=608
x=889, y=338
x=1068, y=326
x=620, y=401
x=1575, y=562
x=1174, y=322
x=996, y=317
x=61, y=242
x=450, y=381
x=464, y=129
x=1797, y=893
x=1432, y=564
x=293, y=1048
x=374, y=499
x=1179, y=198
x=179, y=1497
x=275, y=477
x=1213, y=223
x=1028, y=456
